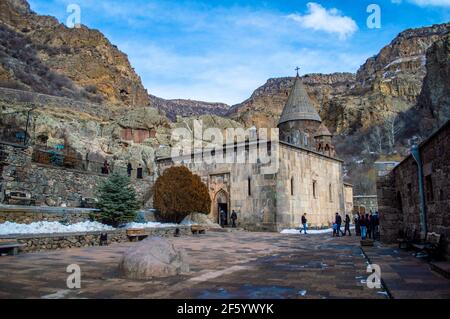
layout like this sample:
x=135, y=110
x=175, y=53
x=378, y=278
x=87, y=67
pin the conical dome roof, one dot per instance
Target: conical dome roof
x=299, y=105
x=323, y=131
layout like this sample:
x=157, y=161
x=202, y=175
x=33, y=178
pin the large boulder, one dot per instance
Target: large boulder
x=199, y=219
x=153, y=257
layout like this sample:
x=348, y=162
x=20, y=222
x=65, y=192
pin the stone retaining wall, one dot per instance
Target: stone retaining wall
x=39, y=242
x=51, y=185
x=28, y=215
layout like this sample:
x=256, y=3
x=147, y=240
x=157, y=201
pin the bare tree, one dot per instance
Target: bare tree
x=392, y=127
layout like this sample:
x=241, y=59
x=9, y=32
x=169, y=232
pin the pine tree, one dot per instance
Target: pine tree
x=117, y=200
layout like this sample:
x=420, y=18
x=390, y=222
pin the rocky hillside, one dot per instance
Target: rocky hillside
x=39, y=54
x=377, y=111
x=186, y=108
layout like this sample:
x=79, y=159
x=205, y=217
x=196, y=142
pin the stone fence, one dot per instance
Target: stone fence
x=30, y=214
x=39, y=242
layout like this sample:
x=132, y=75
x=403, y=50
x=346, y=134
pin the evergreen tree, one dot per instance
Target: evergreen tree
x=117, y=200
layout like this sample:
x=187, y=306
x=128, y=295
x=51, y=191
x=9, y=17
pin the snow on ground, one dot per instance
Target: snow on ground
x=9, y=228
x=44, y=227
x=309, y=231
x=150, y=225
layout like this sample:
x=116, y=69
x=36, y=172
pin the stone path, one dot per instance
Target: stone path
x=223, y=265
x=407, y=276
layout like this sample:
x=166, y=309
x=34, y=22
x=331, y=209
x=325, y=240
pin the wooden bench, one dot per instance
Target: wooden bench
x=10, y=248
x=18, y=197
x=430, y=246
x=197, y=229
x=136, y=234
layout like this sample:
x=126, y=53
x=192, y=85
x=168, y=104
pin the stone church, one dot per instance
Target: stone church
x=308, y=179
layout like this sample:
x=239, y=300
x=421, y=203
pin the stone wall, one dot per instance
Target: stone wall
x=398, y=192
x=28, y=215
x=51, y=185
x=34, y=242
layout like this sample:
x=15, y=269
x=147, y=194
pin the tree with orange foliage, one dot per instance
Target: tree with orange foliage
x=178, y=193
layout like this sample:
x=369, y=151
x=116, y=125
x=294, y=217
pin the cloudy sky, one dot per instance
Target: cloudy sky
x=222, y=50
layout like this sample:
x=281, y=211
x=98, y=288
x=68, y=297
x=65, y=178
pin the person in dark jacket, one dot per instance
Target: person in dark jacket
x=338, y=223
x=304, y=223
x=357, y=225
x=374, y=225
x=368, y=225
x=347, y=225
x=233, y=219
x=362, y=223
x=223, y=218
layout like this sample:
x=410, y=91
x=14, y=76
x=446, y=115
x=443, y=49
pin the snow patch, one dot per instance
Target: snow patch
x=150, y=225
x=9, y=228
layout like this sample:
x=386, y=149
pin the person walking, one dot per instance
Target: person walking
x=347, y=225
x=304, y=223
x=338, y=224
x=374, y=222
x=362, y=223
x=223, y=218
x=233, y=219
x=368, y=225
x=357, y=226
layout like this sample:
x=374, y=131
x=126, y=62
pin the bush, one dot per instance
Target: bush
x=116, y=200
x=178, y=193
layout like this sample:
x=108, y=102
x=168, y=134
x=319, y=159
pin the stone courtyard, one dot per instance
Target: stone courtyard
x=229, y=265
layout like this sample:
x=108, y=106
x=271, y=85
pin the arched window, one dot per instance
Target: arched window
x=314, y=189
x=249, y=185
x=292, y=186
x=330, y=192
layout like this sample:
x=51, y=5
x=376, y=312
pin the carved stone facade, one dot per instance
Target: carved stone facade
x=308, y=179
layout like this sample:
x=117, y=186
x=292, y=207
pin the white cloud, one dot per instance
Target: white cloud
x=426, y=3
x=437, y=3
x=329, y=20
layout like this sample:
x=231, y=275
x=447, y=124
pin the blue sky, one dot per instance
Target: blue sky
x=221, y=51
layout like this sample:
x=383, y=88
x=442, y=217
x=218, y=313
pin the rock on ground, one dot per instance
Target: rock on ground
x=199, y=219
x=152, y=258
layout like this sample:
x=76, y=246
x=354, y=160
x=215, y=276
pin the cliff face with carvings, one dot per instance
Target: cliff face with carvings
x=40, y=54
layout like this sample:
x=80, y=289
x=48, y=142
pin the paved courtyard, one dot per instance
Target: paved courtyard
x=223, y=265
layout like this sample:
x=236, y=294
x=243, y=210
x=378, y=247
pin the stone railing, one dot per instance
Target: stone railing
x=40, y=242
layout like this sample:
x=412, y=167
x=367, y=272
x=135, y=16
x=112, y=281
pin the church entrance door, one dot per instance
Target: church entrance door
x=223, y=207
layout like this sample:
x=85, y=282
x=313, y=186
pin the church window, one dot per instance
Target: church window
x=330, y=191
x=314, y=189
x=292, y=186
x=249, y=185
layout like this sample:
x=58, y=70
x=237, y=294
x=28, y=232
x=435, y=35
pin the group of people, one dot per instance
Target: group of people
x=223, y=218
x=367, y=225
x=337, y=226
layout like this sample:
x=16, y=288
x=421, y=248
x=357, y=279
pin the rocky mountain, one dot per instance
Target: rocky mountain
x=187, y=108
x=376, y=112
x=37, y=53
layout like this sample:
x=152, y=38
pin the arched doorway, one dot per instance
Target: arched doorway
x=221, y=204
